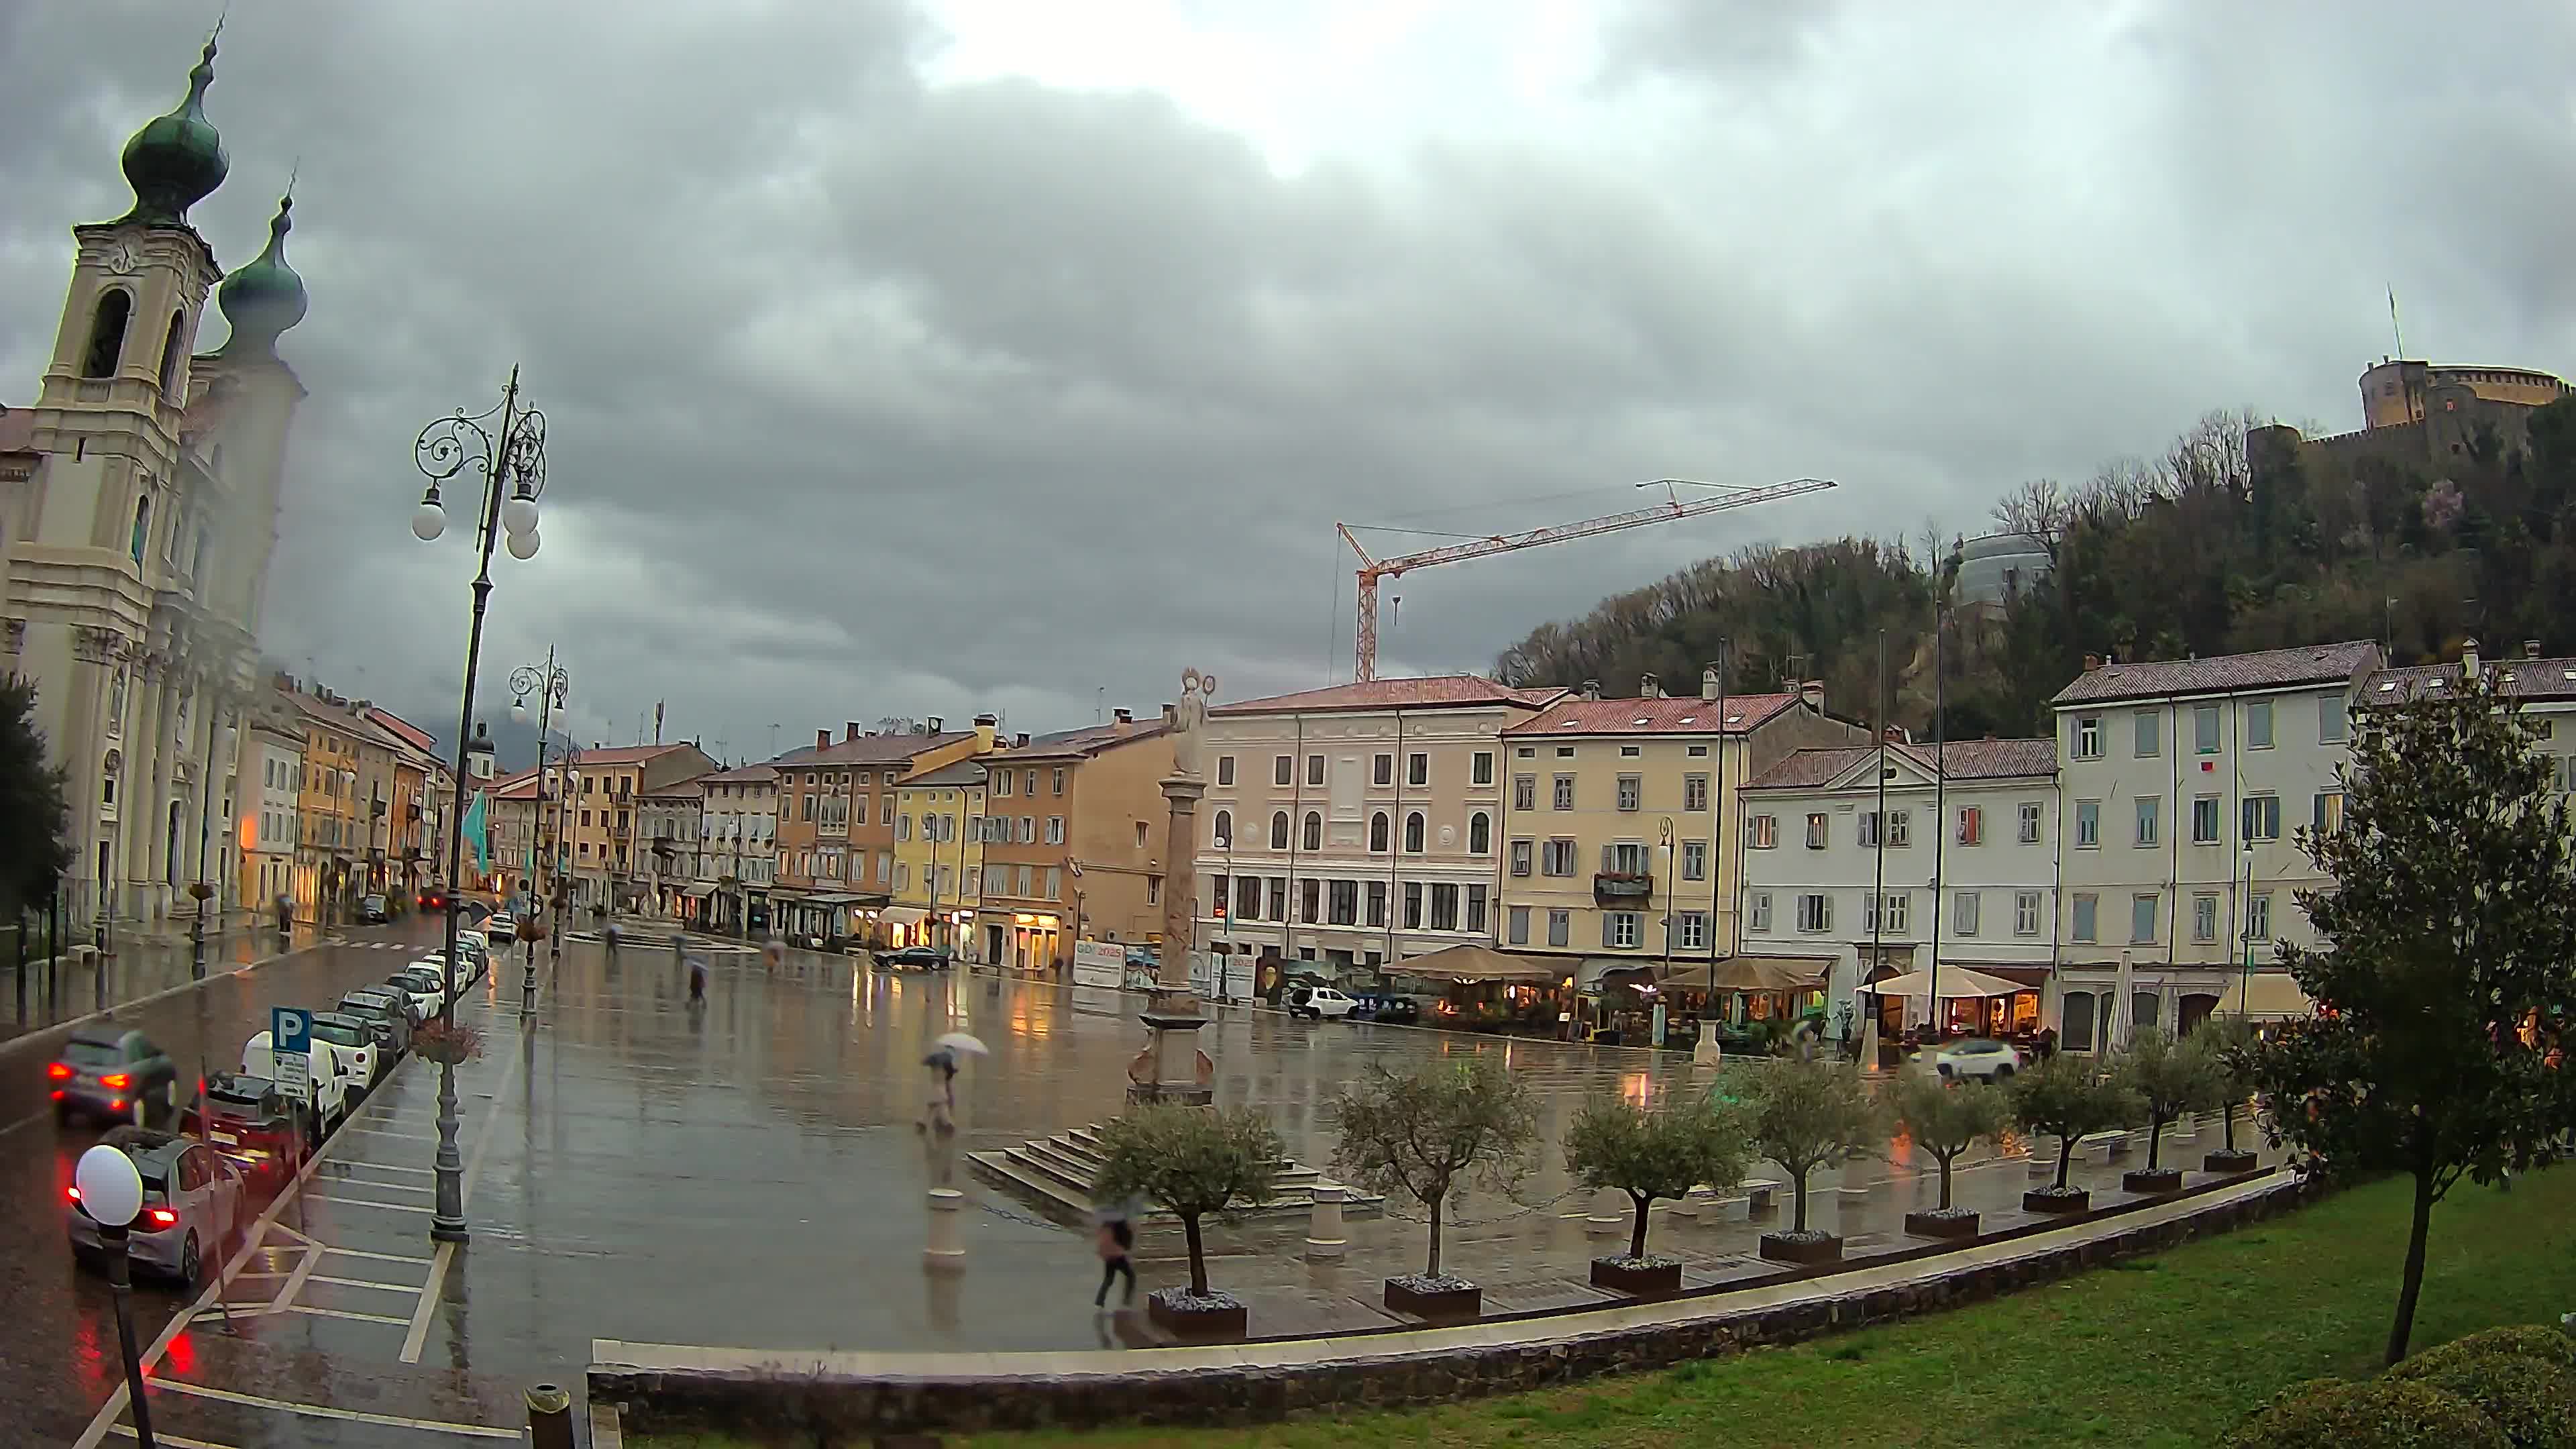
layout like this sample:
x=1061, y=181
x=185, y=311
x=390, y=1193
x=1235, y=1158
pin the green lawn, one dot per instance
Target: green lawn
x=2158, y=1351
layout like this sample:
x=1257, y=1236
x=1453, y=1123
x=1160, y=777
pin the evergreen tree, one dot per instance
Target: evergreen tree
x=35, y=823
x=2445, y=975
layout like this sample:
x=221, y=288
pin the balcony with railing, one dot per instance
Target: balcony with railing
x=1622, y=887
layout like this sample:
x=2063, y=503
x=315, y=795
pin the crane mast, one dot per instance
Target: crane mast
x=1672, y=509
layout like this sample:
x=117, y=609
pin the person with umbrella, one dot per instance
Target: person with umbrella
x=938, y=1124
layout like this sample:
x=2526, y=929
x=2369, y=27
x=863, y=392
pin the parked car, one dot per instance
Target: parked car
x=915, y=958
x=251, y=1122
x=374, y=910
x=1320, y=1002
x=425, y=985
x=387, y=1014
x=475, y=950
x=336, y=1083
x=354, y=1042
x=434, y=898
x=192, y=1203
x=113, y=1072
x=501, y=926
x=1980, y=1057
x=1399, y=1010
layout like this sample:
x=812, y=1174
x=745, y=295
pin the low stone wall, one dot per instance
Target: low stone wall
x=704, y=1390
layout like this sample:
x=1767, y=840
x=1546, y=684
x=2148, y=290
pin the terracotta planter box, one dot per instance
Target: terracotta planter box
x=2049, y=1202
x=2162, y=1179
x=1216, y=1317
x=1443, y=1303
x=1783, y=1248
x=2225, y=1161
x=1620, y=1276
x=1934, y=1225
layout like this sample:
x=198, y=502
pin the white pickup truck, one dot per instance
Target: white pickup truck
x=335, y=1078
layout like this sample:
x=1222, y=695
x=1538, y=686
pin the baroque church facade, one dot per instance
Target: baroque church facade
x=138, y=546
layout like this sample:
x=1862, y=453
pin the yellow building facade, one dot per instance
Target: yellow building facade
x=1622, y=825
x=938, y=856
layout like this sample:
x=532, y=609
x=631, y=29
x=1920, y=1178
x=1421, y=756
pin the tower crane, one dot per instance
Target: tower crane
x=1672, y=509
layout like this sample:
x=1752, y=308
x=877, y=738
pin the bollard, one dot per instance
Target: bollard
x=549, y=1417
x=2043, y=1159
x=1609, y=1215
x=1853, y=1187
x=947, y=1250
x=1324, y=1240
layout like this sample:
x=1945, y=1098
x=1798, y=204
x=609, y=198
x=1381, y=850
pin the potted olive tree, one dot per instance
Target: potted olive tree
x=1652, y=1152
x=1803, y=1116
x=2165, y=1078
x=1194, y=1161
x=2231, y=1043
x=2068, y=1096
x=1426, y=1133
x=1945, y=1121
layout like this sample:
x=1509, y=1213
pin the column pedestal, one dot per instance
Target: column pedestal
x=1170, y=1068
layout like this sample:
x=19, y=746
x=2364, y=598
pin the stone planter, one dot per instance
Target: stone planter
x=2161, y=1179
x=1442, y=1298
x=1645, y=1277
x=1806, y=1247
x=2049, y=1200
x=1937, y=1223
x=1217, y=1316
x=2228, y=1162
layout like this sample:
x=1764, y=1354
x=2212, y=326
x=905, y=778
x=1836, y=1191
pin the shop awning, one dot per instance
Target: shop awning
x=903, y=915
x=697, y=892
x=1596, y=970
x=1957, y=982
x=2265, y=996
x=1479, y=963
x=1759, y=973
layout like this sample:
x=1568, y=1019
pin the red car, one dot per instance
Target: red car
x=434, y=899
x=250, y=1122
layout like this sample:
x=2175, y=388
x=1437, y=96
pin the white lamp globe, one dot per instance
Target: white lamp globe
x=523, y=546
x=519, y=513
x=428, y=521
x=111, y=1190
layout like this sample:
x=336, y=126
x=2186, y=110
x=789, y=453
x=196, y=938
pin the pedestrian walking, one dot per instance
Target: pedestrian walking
x=1115, y=1237
x=773, y=954
x=697, y=980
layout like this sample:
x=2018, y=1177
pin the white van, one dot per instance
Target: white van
x=334, y=1078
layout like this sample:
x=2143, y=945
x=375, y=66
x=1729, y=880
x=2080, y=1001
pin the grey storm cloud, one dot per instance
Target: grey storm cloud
x=877, y=390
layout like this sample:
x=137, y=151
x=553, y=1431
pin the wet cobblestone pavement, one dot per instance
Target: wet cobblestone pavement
x=746, y=1173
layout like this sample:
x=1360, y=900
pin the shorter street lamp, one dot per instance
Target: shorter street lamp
x=111, y=1192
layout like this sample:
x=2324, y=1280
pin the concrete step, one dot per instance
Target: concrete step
x=1056, y=1175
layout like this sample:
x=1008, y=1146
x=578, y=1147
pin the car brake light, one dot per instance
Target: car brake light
x=115, y=1081
x=73, y=1193
x=161, y=1217
x=116, y=1104
x=59, y=1071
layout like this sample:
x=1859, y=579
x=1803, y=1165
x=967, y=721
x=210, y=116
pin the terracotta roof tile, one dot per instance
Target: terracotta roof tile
x=1667, y=715
x=2268, y=669
x=622, y=754
x=2518, y=678
x=1429, y=692
x=743, y=775
x=1967, y=760
x=871, y=750
x=1072, y=744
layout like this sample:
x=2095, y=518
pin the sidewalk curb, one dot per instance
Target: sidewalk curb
x=33, y=1034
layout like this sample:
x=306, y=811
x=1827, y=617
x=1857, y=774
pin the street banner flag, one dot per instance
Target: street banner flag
x=475, y=827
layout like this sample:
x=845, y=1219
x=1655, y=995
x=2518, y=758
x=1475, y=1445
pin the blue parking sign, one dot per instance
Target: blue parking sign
x=290, y=1029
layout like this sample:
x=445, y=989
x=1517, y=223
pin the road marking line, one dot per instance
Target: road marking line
x=30, y=1119
x=379, y=1257
x=163, y=1437
x=325, y=1411
x=367, y=1283
x=345, y=1313
x=429, y=1292
x=397, y=1207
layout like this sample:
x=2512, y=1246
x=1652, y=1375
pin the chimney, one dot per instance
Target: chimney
x=1124, y=716
x=986, y=725
x=822, y=739
x=2530, y=648
x=1811, y=692
x=1171, y=715
x=1591, y=689
x=1649, y=687
x=849, y=729
x=1708, y=682
x=2469, y=658
x=2092, y=662
x=1020, y=741
x=934, y=725
x=1896, y=735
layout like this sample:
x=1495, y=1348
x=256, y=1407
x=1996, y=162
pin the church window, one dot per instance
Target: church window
x=142, y=525
x=107, y=333
x=174, y=350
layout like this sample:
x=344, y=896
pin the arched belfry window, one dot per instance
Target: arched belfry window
x=107, y=332
x=174, y=351
x=142, y=525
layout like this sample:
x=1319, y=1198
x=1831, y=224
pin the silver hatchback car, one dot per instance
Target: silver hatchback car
x=193, y=1203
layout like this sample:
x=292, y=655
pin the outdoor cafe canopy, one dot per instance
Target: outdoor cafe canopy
x=1957, y=983
x=1477, y=963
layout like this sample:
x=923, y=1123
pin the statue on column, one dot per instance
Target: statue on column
x=1189, y=722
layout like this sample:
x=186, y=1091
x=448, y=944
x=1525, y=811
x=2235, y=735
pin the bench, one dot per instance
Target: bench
x=2101, y=1147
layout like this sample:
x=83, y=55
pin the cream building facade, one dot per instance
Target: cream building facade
x=1358, y=825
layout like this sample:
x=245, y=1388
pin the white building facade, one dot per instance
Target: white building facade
x=1340, y=825
x=1960, y=869
x=2182, y=784
x=738, y=860
x=266, y=824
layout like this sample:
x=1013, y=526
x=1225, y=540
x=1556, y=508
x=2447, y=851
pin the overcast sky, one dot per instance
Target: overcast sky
x=925, y=359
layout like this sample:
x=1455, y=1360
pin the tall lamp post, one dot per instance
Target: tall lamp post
x=510, y=458
x=110, y=1191
x=549, y=685
x=559, y=900
x=2245, y=933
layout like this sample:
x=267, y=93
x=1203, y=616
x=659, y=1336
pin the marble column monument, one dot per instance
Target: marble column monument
x=1172, y=1067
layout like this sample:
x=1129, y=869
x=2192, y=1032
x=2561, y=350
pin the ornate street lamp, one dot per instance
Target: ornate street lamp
x=510, y=458
x=550, y=685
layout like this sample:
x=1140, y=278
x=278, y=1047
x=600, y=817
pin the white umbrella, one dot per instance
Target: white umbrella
x=962, y=1041
x=2115, y=1029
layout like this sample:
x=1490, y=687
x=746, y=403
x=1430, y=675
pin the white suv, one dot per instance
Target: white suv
x=1319, y=1002
x=1984, y=1057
